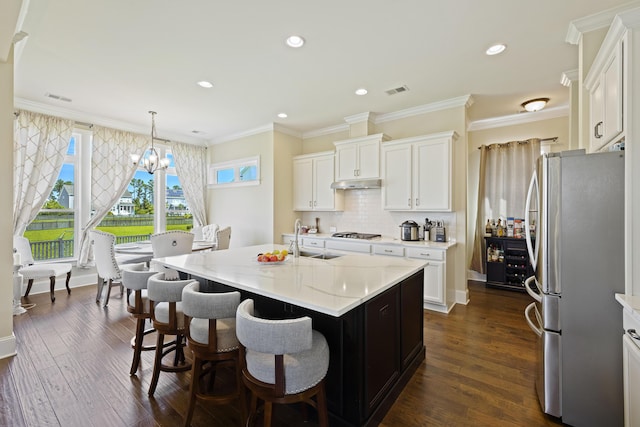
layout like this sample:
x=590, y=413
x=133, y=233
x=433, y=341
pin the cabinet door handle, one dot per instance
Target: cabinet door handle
x=315, y=203
x=409, y=202
x=633, y=334
x=596, y=132
x=417, y=202
x=310, y=203
x=383, y=311
x=423, y=254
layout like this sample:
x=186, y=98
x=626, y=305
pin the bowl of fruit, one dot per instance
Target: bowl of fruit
x=274, y=257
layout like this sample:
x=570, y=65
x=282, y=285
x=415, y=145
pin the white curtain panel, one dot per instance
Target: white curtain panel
x=111, y=173
x=505, y=172
x=191, y=166
x=40, y=144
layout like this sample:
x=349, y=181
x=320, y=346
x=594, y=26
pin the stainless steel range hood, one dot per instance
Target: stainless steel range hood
x=356, y=184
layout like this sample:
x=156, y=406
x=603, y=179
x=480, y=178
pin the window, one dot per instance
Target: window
x=235, y=173
x=136, y=216
x=52, y=232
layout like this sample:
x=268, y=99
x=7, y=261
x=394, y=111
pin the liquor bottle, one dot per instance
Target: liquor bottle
x=487, y=229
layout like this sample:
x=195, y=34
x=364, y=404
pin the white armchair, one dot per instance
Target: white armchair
x=223, y=238
x=106, y=265
x=32, y=271
x=169, y=243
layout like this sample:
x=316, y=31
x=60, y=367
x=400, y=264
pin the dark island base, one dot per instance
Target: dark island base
x=374, y=348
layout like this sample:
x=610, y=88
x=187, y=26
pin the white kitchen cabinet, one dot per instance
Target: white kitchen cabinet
x=358, y=158
x=631, y=370
x=417, y=173
x=312, y=178
x=605, y=85
x=437, y=295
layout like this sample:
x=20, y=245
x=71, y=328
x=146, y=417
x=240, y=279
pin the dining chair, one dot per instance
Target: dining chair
x=285, y=361
x=32, y=271
x=223, y=238
x=135, y=281
x=210, y=326
x=170, y=243
x=165, y=304
x=107, y=267
x=209, y=232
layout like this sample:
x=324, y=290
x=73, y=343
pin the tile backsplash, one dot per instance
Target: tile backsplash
x=363, y=213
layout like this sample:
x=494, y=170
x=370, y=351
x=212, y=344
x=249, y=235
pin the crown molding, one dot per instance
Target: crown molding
x=326, y=131
x=568, y=77
x=269, y=127
x=362, y=117
x=520, y=118
x=596, y=21
x=461, y=101
x=89, y=119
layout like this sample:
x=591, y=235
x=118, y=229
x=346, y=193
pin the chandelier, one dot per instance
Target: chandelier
x=150, y=160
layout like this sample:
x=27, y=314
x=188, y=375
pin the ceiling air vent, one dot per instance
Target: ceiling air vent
x=397, y=90
x=58, y=97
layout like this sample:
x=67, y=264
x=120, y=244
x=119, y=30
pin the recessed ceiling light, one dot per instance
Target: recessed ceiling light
x=282, y=115
x=295, y=41
x=535, y=104
x=496, y=49
x=361, y=91
x=205, y=84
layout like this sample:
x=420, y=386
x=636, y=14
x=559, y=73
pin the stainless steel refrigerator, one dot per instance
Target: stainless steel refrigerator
x=576, y=204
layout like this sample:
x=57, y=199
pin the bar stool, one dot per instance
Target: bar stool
x=210, y=326
x=138, y=305
x=165, y=305
x=285, y=362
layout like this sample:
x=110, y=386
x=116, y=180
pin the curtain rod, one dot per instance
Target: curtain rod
x=551, y=139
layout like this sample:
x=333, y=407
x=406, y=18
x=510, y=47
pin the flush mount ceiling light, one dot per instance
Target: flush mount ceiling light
x=205, y=84
x=536, y=104
x=282, y=115
x=496, y=49
x=361, y=91
x=295, y=41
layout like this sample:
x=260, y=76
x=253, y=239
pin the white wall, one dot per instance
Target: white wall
x=7, y=340
x=248, y=210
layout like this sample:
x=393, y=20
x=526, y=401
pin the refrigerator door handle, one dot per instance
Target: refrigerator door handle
x=527, y=315
x=527, y=285
x=533, y=255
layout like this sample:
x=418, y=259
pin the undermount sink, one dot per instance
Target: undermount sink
x=319, y=255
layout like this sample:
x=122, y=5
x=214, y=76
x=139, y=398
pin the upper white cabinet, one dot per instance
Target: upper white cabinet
x=604, y=83
x=312, y=178
x=417, y=173
x=358, y=158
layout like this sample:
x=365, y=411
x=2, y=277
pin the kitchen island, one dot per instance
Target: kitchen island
x=368, y=307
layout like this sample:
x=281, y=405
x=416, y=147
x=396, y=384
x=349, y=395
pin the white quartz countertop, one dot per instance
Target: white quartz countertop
x=630, y=302
x=384, y=240
x=332, y=286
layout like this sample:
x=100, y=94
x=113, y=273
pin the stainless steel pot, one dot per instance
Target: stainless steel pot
x=409, y=231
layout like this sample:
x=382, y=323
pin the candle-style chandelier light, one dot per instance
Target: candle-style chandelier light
x=150, y=160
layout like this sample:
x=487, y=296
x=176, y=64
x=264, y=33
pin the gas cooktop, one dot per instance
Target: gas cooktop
x=354, y=235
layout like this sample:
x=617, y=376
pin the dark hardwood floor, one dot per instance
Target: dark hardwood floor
x=72, y=369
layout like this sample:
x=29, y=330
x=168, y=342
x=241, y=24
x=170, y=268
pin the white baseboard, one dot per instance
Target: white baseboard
x=474, y=275
x=462, y=297
x=8, y=346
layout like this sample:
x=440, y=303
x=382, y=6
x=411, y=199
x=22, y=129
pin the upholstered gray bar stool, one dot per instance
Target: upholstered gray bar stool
x=210, y=325
x=165, y=305
x=286, y=362
x=138, y=305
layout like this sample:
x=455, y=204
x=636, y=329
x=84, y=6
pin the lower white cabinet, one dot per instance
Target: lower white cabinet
x=434, y=282
x=437, y=295
x=631, y=369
